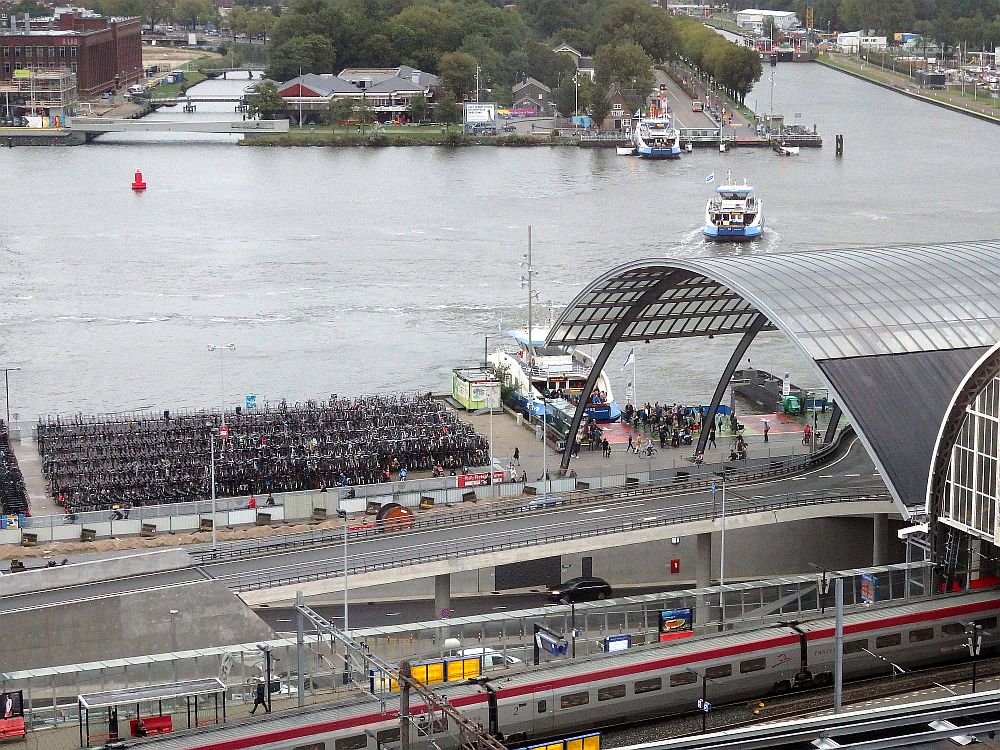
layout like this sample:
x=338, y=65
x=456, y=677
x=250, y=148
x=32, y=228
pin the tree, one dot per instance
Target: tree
x=458, y=70
x=418, y=109
x=194, y=11
x=600, y=104
x=265, y=102
x=446, y=110
x=565, y=96
x=340, y=111
x=626, y=64
x=30, y=7
x=309, y=54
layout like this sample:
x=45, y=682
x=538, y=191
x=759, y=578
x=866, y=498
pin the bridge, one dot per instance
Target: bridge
x=169, y=101
x=94, y=126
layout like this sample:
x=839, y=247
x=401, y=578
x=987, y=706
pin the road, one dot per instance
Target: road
x=377, y=614
x=680, y=104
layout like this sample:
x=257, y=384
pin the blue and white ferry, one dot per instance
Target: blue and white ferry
x=656, y=138
x=558, y=373
x=734, y=213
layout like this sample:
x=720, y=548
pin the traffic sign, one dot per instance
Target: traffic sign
x=223, y=432
x=250, y=400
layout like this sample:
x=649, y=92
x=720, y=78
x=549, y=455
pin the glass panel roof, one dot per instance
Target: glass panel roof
x=833, y=303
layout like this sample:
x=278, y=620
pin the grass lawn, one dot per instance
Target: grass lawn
x=191, y=78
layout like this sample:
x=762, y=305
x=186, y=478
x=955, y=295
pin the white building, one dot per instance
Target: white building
x=854, y=40
x=752, y=19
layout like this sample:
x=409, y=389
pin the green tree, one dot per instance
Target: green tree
x=458, y=70
x=599, y=103
x=626, y=64
x=194, y=11
x=30, y=7
x=340, y=111
x=265, y=102
x=565, y=96
x=309, y=54
x=447, y=110
x=418, y=109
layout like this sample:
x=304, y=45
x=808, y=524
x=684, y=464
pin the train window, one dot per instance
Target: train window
x=855, y=647
x=682, y=678
x=953, y=628
x=648, y=686
x=386, y=736
x=543, y=706
x=922, y=634
x=719, y=670
x=611, y=692
x=888, y=641
x=753, y=665
x=357, y=742
x=312, y=746
x=987, y=623
x=574, y=699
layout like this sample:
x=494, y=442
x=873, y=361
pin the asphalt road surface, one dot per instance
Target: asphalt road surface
x=852, y=472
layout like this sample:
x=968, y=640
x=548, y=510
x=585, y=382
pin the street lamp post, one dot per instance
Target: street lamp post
x=6, y=389
x=722, y=553
x=342, y=513
x=222, y=371
x=975, y=643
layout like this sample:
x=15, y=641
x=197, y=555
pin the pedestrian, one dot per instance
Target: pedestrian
x=259, y=698
x=711, y=438
x=402, y=474
x=517, y=455
x=253, y=503
x=767, y=429
x=607, y=447
x=629, y=448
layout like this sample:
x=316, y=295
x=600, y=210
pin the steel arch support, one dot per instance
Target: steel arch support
x=647, y=299
x=831, y=428
x=758, y=325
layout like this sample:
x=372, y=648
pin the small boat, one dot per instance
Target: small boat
x=688, y=148
x=551, y=378
x=734, y=213
x=656, y=138
x=722, y=147
x=625, y=150
x=784, y=150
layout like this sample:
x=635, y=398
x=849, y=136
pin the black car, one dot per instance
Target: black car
x=581, y=589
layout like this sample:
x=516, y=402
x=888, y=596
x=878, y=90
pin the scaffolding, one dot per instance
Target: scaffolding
x=45, y=93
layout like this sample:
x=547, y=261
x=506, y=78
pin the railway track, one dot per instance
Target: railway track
x=797, y=705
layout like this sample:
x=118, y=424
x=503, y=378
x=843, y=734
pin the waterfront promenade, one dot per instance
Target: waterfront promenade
x=983, y=107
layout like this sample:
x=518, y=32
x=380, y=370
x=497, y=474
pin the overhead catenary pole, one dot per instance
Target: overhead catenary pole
x=211, y=439
x=6, y=388
x=838, y=664
x=300, y=640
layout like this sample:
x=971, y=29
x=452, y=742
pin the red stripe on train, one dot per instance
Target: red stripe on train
x=468, y=700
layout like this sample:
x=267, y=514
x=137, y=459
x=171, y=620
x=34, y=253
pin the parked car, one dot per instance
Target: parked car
x=581, y=589
x=697, y=106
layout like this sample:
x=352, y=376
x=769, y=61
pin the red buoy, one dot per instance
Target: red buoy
x=137, y=183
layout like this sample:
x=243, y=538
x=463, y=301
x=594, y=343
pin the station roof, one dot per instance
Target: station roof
x=152, y=693
x=893, y=329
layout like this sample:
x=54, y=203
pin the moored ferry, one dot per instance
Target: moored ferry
x=553, y=375
x=656, y=138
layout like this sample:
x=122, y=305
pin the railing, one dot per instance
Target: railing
x=684, y=481
x=376, y=560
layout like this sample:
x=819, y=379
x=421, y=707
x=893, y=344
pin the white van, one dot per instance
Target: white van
x=492, y=659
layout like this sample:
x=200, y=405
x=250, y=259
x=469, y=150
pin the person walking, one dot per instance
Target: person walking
x=767, y=429
x=711, y=438
x=259, y=698
x=607, y=447
x=517, y=456
x=628, y=449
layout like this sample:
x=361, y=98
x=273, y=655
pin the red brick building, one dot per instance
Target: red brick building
x=105, y=53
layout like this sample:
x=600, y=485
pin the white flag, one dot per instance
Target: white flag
x=710, y=178
x=629, y=359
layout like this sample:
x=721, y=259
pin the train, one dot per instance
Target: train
x=521, y=706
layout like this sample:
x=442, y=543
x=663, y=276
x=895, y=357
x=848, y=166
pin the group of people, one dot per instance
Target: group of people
x=13, y=495
x=99, y=463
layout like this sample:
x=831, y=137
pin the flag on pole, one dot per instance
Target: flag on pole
x=629, y=359
x=710, y=178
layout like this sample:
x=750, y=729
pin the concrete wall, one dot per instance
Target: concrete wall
x=95, y=570
x=204, y=614
x=760, y=552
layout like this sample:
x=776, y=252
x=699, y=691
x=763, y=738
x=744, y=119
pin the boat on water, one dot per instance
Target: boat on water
x=656, y=138
x=734, y=213
x=551, y=378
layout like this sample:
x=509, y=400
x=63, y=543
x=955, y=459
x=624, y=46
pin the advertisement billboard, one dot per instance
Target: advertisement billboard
x=676, y=623
x=11, y=705
x=478, y=480
x=480, y=113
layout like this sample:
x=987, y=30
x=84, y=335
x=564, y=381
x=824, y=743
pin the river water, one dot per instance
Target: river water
x=363, y=270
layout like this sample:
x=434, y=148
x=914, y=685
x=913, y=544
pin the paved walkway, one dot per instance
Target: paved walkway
x=784, y=438
x=30, y=463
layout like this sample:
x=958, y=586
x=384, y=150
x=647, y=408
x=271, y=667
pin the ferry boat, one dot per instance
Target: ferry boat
x=734, y=213
x=559, y=373
x=656, y=138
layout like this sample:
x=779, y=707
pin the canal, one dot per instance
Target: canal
x=358, y=270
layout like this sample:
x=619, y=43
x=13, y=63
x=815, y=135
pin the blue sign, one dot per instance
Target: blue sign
x=251, y=401
x=868, y=588
x=615, y=643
